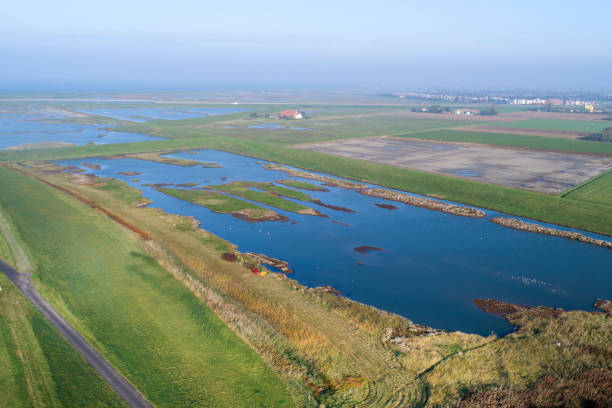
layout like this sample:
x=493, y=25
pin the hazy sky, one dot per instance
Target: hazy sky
x=386, y=45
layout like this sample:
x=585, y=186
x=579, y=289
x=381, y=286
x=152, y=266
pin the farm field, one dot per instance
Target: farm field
x=594, y=126
x=598, y=190
x=548, y=172
x=166, y=341
x=514, y=140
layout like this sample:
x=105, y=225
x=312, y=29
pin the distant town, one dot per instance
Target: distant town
x=577, y=102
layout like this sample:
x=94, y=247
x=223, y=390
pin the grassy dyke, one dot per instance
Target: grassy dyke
x=524, y=141
x=301, y=185
x=37, y=366
x=219, y=203
x=269, y=197
x=556, y=124
x=146, y=323
x=597, y=190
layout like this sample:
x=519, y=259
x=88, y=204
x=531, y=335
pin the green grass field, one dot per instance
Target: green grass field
x=5, y=251
x=218, y=202
x=268, y=197
x=597, y=190
x=556, y=124
x=146, y=323
x=501, y=139
x=38, y=368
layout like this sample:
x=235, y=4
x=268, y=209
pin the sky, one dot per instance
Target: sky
x=386, y=45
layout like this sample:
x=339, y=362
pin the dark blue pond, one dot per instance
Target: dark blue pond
x=432, y=265
x=32, y=127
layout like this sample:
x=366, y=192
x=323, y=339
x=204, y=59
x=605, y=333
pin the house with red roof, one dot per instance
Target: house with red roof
x=291, y=114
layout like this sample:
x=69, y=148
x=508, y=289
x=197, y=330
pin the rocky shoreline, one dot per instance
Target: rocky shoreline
x=330, y=181
x=539, y=229
x=423, y=202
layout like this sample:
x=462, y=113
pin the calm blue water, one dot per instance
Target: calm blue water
x=149, y=113
x=432, y=266
x=25, y=127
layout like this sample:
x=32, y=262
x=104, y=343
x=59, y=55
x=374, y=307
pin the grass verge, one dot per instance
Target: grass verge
x=37, y=366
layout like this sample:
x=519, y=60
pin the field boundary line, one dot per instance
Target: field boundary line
x=585, y=183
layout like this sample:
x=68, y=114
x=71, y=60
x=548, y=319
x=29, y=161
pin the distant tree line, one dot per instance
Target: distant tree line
x=604, y=136
x=489, y=111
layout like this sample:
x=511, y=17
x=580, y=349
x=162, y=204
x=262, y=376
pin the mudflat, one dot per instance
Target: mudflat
x=548, y=172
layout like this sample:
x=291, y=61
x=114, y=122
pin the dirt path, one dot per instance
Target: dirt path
x=21, y=260
x=121, y=385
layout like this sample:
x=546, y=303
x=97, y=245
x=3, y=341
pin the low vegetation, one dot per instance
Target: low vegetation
x=224, y=204
x=165, y=340
x=270, y=195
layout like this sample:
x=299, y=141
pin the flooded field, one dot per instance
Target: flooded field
x=146, y=113
x=426, y=265
x=19, y=128
x=548, y=172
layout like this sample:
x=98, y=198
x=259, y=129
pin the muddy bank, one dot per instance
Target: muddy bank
x=386, y=206
x=229, y=257
x=92, y=166
x=539, y=229
x=128, y=173
x=365, y=249
x=248, y=218
x=333, y=207
x=506, y=310
x=282, y=266
x=423, y=202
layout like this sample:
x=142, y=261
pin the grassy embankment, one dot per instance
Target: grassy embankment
x=145, y=322
x=345, y=347
x=38, y=368
x=596, y=190
x=222, y=203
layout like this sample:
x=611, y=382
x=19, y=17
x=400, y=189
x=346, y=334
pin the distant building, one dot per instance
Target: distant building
x=291, y=114
x=555, y=102
x=467, y=112
x=589, y=107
